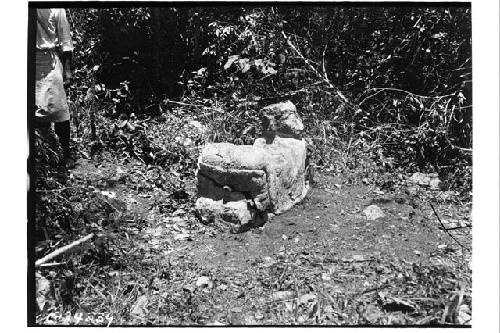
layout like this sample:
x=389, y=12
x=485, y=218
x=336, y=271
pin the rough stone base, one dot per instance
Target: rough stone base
x=236, y=216
x=240, y=185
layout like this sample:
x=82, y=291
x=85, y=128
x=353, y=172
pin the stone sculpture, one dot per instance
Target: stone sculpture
x=239, y=186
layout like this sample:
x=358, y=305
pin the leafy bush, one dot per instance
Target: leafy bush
x=396, y=79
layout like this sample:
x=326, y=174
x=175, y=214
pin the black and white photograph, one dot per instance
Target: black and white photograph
x=252, y=164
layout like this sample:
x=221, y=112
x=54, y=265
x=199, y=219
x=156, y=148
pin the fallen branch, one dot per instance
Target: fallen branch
x=58, y=189
x=460, y=227
x=376, y=288
x=378, y=90
x=444, y=228
x=62, y=250
x=52, y=264
x=465, y=150
x=193, y=105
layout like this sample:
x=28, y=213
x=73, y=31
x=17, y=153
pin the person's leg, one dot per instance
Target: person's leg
x=42, y=127
x=63, y=131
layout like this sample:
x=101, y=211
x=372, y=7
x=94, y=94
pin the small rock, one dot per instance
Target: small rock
x=204, y=282
x=307, y=298
x=358, y=257
x=373, y=212
x=268, y=261
x=426, y=179
x=199, y=127
x=283, y=295
x=249, y=320
x=222, y=287
x=139, y=308
x=179, y=212
x=325, y=277
x=182, y=237
x=189, y=288
x=288, y=306
x=109, y=194
x=42, y=291
x=435, y=183
x=327, y=309
x=236, y=319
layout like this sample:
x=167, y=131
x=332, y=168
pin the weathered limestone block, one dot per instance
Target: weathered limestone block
x=232, y=169
x=240, y=185
x=285, y=171
x=282, y=120
x=237, y=216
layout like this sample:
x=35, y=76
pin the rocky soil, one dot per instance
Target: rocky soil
x=327, y=261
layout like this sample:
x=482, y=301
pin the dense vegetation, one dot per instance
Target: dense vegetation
x=381, y=90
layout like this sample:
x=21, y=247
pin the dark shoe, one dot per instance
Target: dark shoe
x=63, y=130
x=43, y=129
x=69, y=163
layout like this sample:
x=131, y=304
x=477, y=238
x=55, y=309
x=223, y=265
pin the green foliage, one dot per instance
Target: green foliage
x=405, y=70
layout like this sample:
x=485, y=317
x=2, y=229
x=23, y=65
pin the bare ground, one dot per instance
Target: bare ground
x=321, y=263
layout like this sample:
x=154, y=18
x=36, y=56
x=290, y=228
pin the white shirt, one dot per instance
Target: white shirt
x=53, y=30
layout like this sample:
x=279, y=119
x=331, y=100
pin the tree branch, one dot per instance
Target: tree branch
x=323, y=76
x=62, y=250
x=378, y=90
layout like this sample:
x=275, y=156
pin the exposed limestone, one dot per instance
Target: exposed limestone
x=281, y=120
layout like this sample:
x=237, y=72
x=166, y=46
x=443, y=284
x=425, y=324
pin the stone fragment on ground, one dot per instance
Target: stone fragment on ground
x=43, y=291
x=373, y=212
x=204, y=282
x=281, y=119
x=191, y=131
x=430, y=180
x=139, y=308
